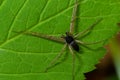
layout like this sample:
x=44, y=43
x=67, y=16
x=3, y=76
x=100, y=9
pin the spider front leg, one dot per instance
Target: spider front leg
x=88, y=29
x=41, y=35
x=72, y=24
x=73, y=62
x=56, y=58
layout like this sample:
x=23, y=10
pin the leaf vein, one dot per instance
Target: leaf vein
x=14, y=19
x=2, y=3
x=43, y=10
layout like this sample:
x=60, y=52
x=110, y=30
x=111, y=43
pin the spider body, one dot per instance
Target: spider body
x=70, y=41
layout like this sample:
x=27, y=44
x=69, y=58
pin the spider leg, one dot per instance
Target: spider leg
x=80, y=42
x=88, y=29
x=73, y=63
x=72, y=24
x=44, y=36
x=56, y=58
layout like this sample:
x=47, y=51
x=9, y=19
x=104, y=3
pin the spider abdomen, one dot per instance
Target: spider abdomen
x=70, y=41
x=74, y=46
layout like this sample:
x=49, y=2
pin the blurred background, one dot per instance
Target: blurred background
x=109, y=66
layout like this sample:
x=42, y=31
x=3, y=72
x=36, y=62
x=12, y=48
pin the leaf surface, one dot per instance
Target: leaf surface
x=23, y=57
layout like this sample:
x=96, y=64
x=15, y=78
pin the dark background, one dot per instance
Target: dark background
x=105, y=70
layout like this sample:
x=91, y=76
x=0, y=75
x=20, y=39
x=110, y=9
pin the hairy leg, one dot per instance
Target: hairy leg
x=56, y=58
x=80, y=42
x=73, y=63
x=72, y=24
x=88, y=29
x=44, y=36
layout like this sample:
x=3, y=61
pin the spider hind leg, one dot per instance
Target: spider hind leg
x=73, y=62
x=53, y=62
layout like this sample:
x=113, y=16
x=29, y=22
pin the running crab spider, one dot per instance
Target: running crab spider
x=69, y=40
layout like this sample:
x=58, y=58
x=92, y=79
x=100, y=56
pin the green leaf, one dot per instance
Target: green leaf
x=23, y=57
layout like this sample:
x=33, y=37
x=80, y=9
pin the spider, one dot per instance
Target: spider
x=69, y=40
